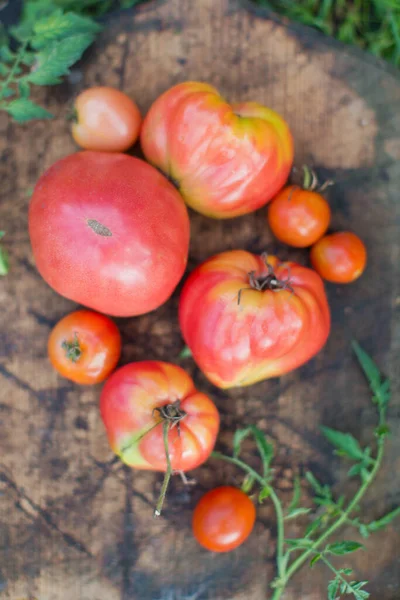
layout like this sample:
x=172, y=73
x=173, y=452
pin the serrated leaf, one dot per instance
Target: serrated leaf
x=264, y=494
x=23, y=110
x=315, y=484
x=383, y=521
x=344, y=442
x=4, y=262
x=355, y=470
x=380, y=389
x=343, y=587
x=59, y=25
x=265, y=449
x=344, y=547
x=54, y=61
x=297, y=512
x=296, y=494
x=24, y=89
x=185, y=352
x=333, y=587
x=346, y=571
x=6, y=55
x=363, y=529
x=315, y=559
x=314, y=525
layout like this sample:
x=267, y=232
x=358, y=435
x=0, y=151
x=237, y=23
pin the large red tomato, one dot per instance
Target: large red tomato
x=247, y=318
x=227, y=160
x=109, y=232
x=136, y=401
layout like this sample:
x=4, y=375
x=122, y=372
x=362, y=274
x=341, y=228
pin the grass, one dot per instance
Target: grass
x=373, y=25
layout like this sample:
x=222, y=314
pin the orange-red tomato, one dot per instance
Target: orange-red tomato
x=298, y=217
x=247, y=318
x=134, y=404
x=106, y=119
x=223, y=519
x=85, y=346
x=339, y=257
x=226, y=160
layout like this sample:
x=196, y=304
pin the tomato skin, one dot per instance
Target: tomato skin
x=106, y=120
x=340, y=257
x=298, y=217
x=227, y=160
x=127, y=405
x=99, y=343
x=265, y=335
x=110, y=232
x=223, y=519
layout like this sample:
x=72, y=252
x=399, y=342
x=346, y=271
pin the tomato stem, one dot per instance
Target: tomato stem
x=168, y=472
x=73, y=350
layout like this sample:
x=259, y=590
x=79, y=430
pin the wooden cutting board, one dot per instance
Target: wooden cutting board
x=74, y=524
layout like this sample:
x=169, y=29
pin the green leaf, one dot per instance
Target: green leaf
x=315, y=484
x=333, y=587
x=296, y=494
x=314, y=525
x=2, y=234
x=346, y=571
x=380, y=389
x=345, y=443
x=23, y=110
x=344, y=547
x=185, y=352
x=382, y=430
x=4, y=262
x=4, y=69
x=265, y=449
x=363, y=529
x=264, y=494
x=383, y=521
x=7, y=92
x=298, y=543
x=24, y=89
x=315, y=559
x=54, y=60
x=58, y=26
x=297, y=512
x=247, y=484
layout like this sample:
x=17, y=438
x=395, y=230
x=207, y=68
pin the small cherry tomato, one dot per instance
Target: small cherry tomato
x=298, y=217
x=106, y=120
x=85, y=347
x=223, y=519
x=339, y=257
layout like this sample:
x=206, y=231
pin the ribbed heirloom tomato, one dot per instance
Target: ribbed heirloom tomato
x=226, y=160
x=85, y=347
x=109, y=232
x=247, y=318
x=138, y=399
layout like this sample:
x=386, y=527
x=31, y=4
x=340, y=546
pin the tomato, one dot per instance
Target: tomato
x=109, y=232
x=105, y=119
x=223, y=519
x=298, y=217
x=85, y=347
x=137, y=400
x=227, y=160
x=246, y=318
x=339, y=257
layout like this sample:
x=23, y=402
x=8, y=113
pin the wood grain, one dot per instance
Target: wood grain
x=75, y=523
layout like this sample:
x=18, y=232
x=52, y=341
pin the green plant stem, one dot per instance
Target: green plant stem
x=334, y=570
x=168, y=472
x=4, y=84
x=277, y=504
x=342, y=519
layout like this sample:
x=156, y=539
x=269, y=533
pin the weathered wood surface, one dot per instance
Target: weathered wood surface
x=73, y=524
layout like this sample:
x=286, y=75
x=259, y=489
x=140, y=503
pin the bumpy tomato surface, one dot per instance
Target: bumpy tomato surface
x=105, y=119
x=227, y=160
x=134, y=404
x=246, y=318
x=223, y=519
x=85, y=346
x=298, y=217
x=109, y=232
x=339, y=257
